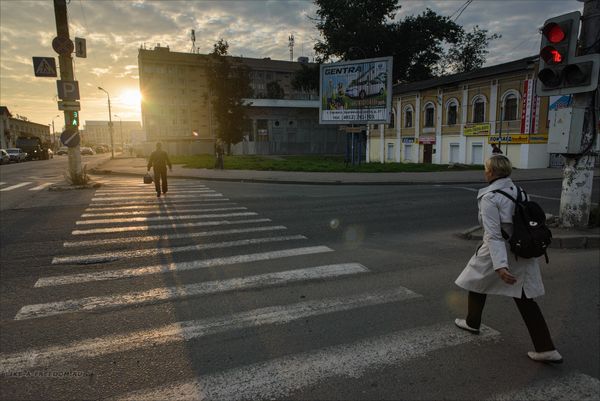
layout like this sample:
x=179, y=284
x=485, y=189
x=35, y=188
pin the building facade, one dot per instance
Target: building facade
x=457, y=118
x=12, y=128
x=177, y=110
x=98, y=133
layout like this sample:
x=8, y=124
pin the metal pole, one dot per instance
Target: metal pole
x=66, y=74
x=578, y=173
x=110, y=125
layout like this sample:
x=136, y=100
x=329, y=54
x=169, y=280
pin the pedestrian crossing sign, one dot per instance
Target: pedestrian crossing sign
x=44, y=67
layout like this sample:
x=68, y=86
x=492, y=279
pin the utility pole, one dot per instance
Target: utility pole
x=66, y=74
x=578, y=174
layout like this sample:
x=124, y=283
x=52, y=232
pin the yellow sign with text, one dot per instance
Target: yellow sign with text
x=479, y=129
x=518, y=139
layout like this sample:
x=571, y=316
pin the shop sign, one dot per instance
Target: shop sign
x=427, y=140
x=408, y=140
x=478, y=129
x=518, y=139
x=538, y=138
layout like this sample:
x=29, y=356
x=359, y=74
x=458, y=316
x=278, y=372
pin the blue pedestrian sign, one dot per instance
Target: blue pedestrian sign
x=70, y=138
x=44, y=67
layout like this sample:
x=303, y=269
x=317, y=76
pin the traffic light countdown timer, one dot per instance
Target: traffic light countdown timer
x=72, y=119
x=561, y=70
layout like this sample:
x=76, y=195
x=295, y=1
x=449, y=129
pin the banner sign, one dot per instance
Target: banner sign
x=357, y=91
x=518, y=139
x=478, y=129
x=408, y=140
x=427, y=140
x=530, y=110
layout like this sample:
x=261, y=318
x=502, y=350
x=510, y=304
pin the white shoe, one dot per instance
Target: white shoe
x=462, y=323
x=548, y=356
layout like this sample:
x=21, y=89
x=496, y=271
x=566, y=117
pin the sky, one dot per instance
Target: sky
x=115, y=29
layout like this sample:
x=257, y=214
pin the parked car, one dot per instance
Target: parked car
x=87, y=151
x=4, y=157
x=16, y=155
x=63, y=151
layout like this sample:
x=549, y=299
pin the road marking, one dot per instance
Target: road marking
x=187, y=291
x=280, y=377
x=15, y=186
x=144, y=194
x=108, y=230
x=156, y=201
x=40, y=187
x=173, y=217
x=193, y=329
x=151, y=195
x=149, y=187
x=2, y=183
x=177, y=267
x=138, y=253
x=162, y=205
x=575, y=386
x=169, y=237
x=168, y=212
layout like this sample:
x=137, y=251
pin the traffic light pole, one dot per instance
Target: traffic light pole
x=578, y=174
x=66, y=74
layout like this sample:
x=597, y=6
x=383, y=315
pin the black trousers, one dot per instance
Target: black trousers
x=160, y=177
x=530, y=312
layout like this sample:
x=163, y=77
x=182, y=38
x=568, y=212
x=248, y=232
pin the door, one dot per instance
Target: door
x=427, y=153
x=477, y=153
x=407, y=153
x=454, y=151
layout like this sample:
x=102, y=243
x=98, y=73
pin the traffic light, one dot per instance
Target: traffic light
x=72, y=118
x=561, y=70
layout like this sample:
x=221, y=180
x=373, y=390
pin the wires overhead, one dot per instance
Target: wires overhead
x=460, y=10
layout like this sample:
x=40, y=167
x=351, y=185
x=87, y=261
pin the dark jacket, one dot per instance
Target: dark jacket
x=159, y=159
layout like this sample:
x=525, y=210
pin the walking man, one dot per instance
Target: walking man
x=160, y=160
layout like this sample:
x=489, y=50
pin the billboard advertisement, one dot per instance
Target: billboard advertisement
x=357, y=91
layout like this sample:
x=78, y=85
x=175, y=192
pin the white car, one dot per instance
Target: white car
x=4, y=157
x=364, y=87
x=16, y=155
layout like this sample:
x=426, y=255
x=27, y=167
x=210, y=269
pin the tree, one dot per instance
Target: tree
x=229, y=83
x=274, y=90
x=306, y=78
x=354, y=29
x=470, y=51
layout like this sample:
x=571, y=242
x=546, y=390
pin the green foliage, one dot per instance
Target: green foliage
x=274, y=90
x=317, y=163
x=307, y=78
x=423, y=46
x=229, y=82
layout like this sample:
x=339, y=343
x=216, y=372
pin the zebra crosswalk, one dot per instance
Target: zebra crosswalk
x=38, y=186
x=126, y=236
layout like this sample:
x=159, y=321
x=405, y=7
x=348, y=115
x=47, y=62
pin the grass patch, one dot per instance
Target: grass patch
x=310, y=163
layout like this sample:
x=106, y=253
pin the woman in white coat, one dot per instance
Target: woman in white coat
x=495, y=270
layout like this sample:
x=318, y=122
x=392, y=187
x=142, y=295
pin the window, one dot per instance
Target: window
x=479, y=110
x=391, y=125
x=390, y=151
x=452, y=111
x=429, y=113
x=454, y=152
x=408, y=117
x=510, y=108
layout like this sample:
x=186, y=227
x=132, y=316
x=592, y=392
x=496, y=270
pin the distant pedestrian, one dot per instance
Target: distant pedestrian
x=219, y=153
x=160, y=160
x=496, y=149
x=495, y=270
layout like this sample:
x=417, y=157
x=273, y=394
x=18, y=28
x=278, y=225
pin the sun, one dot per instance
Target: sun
x=131, y=97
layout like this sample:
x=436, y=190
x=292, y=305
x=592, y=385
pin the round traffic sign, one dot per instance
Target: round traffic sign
x=63, y=45
x=70, y=138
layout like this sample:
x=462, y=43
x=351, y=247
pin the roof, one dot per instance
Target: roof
x=523, y=64
x=4, y=110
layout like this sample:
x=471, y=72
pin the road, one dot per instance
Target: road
x=226, y=290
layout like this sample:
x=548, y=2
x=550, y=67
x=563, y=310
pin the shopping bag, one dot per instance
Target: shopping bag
x=148, y=179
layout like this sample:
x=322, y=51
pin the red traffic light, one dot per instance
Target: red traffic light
x=554, y=32
x=551, y=55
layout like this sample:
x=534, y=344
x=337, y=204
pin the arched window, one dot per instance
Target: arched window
x=479, y=109
x=429, y=114
x=510, y=104
x=408, y=117
x=392, y=119
x=452, y=112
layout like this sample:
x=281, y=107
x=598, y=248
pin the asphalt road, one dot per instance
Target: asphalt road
x=227, y=290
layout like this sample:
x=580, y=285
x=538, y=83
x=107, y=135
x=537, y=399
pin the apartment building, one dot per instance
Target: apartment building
x=12, y=128
x=98, y=132
x=176, y=107
x=456, y=119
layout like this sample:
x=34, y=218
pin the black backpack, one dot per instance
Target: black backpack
x=531, y=237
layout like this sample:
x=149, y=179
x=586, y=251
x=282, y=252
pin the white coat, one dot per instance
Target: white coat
x=495, y=213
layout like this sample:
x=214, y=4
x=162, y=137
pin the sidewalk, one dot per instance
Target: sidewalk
x=562, y=238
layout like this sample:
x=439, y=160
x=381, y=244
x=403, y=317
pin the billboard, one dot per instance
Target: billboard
x=357, y=91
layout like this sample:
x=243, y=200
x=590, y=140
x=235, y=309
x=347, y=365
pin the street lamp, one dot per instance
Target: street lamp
x=110, y=129
x=54, y=132
x=121, y=130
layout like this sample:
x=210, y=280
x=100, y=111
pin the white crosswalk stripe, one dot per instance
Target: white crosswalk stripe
x=575, y=386
x=165, y=212
x=279, y=377
x=188, y=330
x=138, y=253
x=188, y=290
x=173, y=225
x=22, y=184
x=152, y=196
x=179, y=266
x=162, y=205
x=164, y=218
x=145, y=194
x=164, y=201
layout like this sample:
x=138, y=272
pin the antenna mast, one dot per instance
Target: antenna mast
x=193, y=37
x=291, y=46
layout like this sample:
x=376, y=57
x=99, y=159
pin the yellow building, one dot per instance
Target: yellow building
x=456, y=119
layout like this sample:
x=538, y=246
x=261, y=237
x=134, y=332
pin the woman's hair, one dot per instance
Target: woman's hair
x=499, y=166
